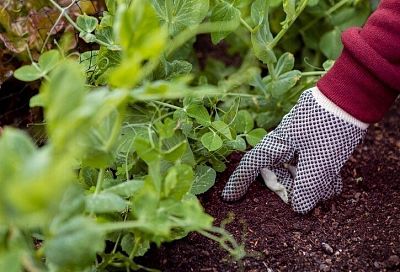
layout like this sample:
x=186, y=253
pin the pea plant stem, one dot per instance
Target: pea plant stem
x=62, y=13
x=242, y=95
x=167, y=105
x=325, y=14
x=271, y=70
x=28, y=264
x=135, y=248
x=99, y=183
x=71, y=21
x=245, y=24
x=192, y=31
x=114, y=133
x=314, y=73
x=110, y=227
x=51, y=31
x=31, y=58
x=226, y=241
x=285, y=28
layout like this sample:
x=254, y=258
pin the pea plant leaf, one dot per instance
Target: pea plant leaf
x=87, y=25
x=141, y=38
x=204, y=179
x=200, y=113
x=289, y=6
x=66, y=81
x=211, y=141
x=261, y=37
x=226, y=14
x=169, y=70
x=162, y=89
x=258, y=12
x=12, y=260
x=284, y=64
x=331, y=44
x=175, y=152
x=145, y=150
x=28, y=73
x=190, y=214
x=178, y=181
x=255, y=136
x=354, y=15
x=312, y=3
x=268, y=119
x=222, y=128
x=126, y=189
x=237, y=144
x=64, y=238
x=49, y=60
x=230, y=114
x=178, y=144
x=16, y=147
x=243, y=122
x=87, y=37
x=218, y=165
x=111, y=6
x=106, y=35
x=130, y=241
x=105, y=202
x=327, y=65
x=70, y=108
x=285, y=78
x=46, y=63
x=100, y=140
x=279, y=86
x=179, y=14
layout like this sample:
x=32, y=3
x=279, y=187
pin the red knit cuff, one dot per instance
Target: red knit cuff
x=365, y=80
x=352, y=87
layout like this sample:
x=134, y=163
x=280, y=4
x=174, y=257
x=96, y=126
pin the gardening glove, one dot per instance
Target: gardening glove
x=317, y=137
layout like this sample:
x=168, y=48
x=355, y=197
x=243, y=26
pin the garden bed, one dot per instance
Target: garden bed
x=360, y=227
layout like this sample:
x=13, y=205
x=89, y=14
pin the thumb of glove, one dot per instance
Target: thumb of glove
x=272, y=150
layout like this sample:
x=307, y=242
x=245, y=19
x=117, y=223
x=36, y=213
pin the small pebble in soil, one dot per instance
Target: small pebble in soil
x=393, y=261
x=327, y=248
x=324, y=267
x=379, y=265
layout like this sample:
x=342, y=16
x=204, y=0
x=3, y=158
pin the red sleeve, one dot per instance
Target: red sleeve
x=365, y=79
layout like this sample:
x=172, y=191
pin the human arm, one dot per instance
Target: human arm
x=322, y=130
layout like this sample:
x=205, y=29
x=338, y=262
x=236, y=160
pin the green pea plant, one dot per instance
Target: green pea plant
x=136, y=129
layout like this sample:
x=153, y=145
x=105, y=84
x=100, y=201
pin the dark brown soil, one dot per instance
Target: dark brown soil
x=14, y=104
x=205, y=49
x=361, y=227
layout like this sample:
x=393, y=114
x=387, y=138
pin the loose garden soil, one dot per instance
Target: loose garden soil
x=356, y=231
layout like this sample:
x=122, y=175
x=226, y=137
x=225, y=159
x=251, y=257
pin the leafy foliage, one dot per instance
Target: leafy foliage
x=131, y=143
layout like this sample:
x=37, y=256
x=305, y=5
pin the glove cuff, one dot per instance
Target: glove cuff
x=331, y=107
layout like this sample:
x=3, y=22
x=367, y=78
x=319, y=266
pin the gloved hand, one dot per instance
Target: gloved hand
x=316, y=136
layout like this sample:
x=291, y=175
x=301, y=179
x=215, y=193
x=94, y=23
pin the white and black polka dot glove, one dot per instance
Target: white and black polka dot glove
x=317, y=137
